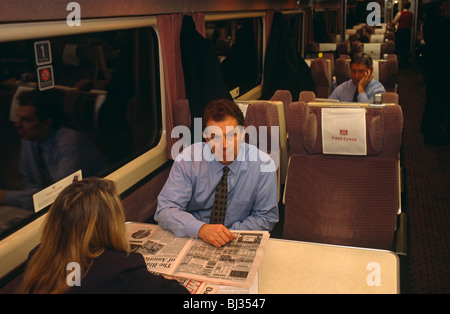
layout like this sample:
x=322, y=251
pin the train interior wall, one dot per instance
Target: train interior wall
x=425, y=197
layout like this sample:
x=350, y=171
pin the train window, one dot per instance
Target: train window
x=239, y=47
x=103, y=111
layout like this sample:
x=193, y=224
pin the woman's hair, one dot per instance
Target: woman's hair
x=86, y=218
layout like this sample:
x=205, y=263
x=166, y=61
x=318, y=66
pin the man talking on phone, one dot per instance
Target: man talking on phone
x=362, y=86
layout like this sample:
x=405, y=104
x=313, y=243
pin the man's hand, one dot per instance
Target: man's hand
x=215, y=234
x=364, y=82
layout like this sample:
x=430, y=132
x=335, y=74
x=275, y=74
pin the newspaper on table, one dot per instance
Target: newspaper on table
x=234, y=264
x=195, y=286
x=253, y=289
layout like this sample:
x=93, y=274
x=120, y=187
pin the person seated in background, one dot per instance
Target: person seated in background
x=187, y=203
x=49, y=151
x=362, y=87
x=86, y=225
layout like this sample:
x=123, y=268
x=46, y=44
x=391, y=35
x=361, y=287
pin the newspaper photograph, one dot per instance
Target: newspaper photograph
x=234, y=264
x=161, y=249
x=195, y=286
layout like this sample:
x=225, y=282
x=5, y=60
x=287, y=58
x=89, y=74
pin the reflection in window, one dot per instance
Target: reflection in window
x=238, y=44
x=103, y=111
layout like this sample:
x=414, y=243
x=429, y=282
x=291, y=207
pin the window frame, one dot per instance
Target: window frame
x=16, y=243
x=217, y=17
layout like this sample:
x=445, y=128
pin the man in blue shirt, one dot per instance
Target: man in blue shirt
x=185, y=203
x=361, y=87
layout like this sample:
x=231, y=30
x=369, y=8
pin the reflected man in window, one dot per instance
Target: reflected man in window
x=49, y=151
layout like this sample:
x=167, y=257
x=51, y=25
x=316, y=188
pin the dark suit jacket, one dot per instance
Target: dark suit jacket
x=284, y=68
x=115, y=272
x=240, y=67
x=202, y=74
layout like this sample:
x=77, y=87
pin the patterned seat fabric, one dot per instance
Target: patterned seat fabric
x=342, y=71
x=389, y=75
x=285, y=97
x=339, y=199
x=262, y=114
x=265, y=114
x=320, y=74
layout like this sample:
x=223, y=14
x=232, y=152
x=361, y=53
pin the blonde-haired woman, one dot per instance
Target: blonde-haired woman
x=86, y=225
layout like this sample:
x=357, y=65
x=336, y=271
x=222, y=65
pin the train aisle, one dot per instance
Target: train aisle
x=426, y=193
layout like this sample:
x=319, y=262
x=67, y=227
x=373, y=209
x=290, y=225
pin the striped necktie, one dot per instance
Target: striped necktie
x=220, y=200
x=43, y=171
x=355, y=95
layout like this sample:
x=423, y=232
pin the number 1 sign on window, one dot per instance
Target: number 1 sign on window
x=43, y=52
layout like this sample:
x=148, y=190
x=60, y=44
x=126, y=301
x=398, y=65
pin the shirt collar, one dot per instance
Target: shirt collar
x=217, y=166
x=48, y=141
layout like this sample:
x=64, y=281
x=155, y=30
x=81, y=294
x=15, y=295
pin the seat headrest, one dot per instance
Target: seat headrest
x=319, y=71
x=383, y=130
x=282, y=95
x=261, y=114
x=307, y=96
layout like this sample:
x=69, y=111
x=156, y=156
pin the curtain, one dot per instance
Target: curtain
x=269, y=19
x=309, y=32
x=169, y=26
x=332, y=21
x=203, y=76
x=284, y=68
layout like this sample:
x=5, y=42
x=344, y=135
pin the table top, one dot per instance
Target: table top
x=302, y=267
